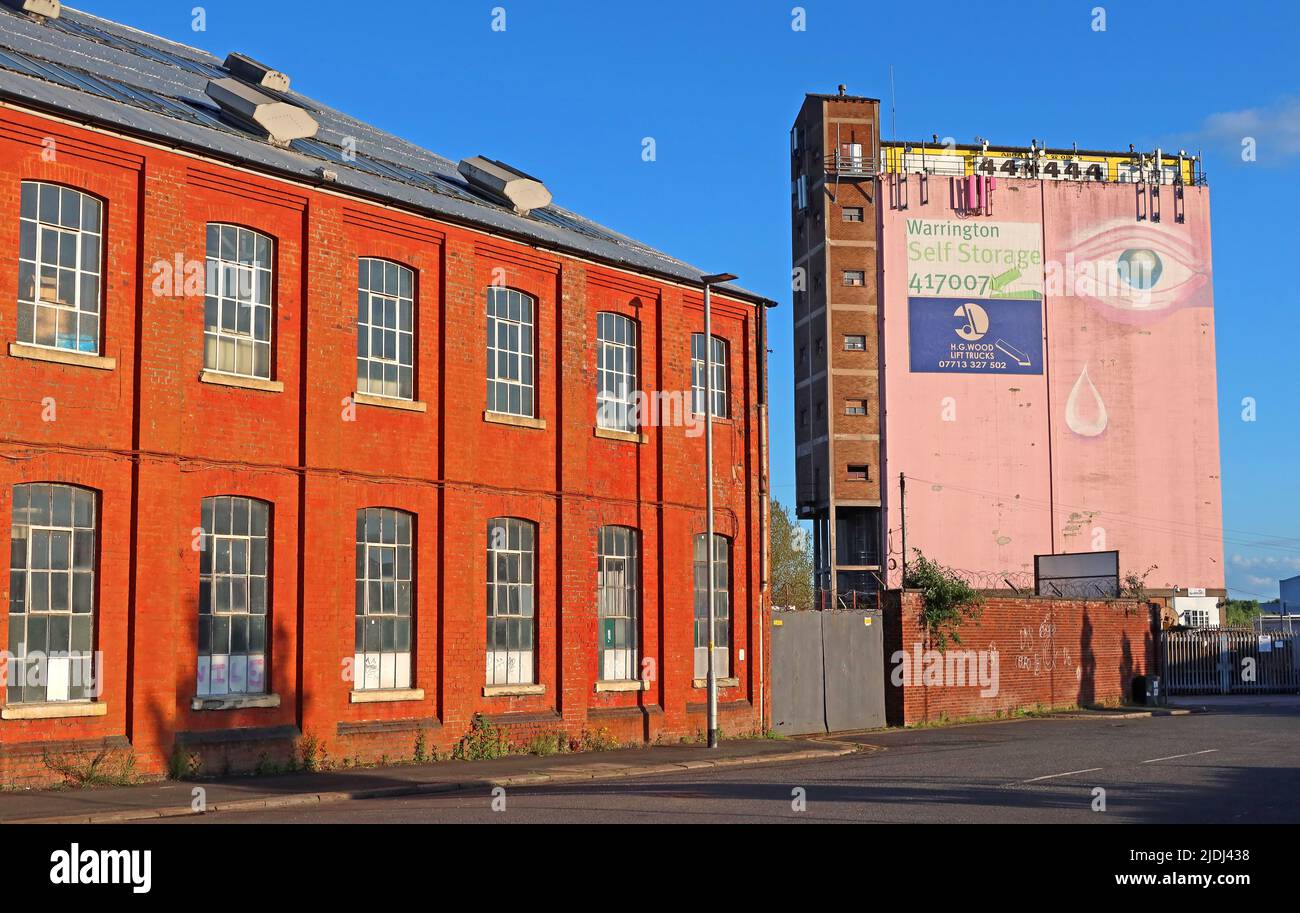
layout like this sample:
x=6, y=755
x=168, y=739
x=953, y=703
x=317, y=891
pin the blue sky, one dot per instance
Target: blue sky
x=569, y=90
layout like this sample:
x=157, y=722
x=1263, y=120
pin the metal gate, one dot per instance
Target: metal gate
x=1229, y=661
x=828, y=672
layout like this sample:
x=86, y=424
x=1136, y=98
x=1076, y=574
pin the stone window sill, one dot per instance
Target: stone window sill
x=512, y=690
x=389, y=402
x=722, y=683
x=632, y=437
x=53, y=710
x=246, y=383
x=518, y=421
x=235, y=702
x=386, y=695
x=632, y=684
x=62, y=356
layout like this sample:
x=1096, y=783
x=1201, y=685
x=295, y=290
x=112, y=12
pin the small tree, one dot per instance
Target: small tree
x=946, y=599
x=792, y=569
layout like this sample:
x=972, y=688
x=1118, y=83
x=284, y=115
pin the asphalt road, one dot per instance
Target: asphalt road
x=1235, y=765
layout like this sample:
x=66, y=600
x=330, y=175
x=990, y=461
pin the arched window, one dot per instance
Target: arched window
x=510, y=351
x=237, y=310
x=618, y=600
x=385, y=569
x=234, y=565
x=385, y=329
x=721, y=606
x=52, y=594
x=511, y=587
x=616, y=372
x=60, y=254
x=720, y=374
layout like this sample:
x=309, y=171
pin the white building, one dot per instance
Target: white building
x=1196, y=610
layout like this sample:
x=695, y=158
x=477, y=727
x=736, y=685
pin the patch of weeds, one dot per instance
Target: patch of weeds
x=483, y=742
x=599, y=740
x=108, y=767
x=547, y=743
x=184, y=765
x=265, y=766
x=311, y=752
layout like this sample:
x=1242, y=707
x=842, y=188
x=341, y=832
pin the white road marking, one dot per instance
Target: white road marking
x=1068, y=773
x=1188, y=755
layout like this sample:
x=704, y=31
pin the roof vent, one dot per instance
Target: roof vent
x=258, y=74
x=47, y=8
x=520, y=191
x=278, y=120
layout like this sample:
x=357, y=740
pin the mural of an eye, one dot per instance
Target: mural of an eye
x=1140, y=268
x=1133, y=272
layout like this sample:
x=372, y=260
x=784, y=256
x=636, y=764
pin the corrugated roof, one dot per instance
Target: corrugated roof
x=125, y=79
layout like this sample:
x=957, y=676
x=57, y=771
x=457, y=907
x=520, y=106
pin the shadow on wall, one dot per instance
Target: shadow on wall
x=216, y=746
x=1087, y=664
x=1126, y=666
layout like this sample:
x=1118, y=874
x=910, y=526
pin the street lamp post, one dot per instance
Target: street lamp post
x=709, y=550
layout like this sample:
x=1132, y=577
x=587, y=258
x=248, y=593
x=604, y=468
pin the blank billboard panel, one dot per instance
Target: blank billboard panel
x=1085, y=575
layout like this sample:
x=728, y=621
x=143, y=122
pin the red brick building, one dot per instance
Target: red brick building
x=301, y=433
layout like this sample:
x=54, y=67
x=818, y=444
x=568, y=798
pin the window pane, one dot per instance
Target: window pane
x=233, y=587
x=384, y=355
x=510, y=601
x=237, y=268
x=29, y=193
x=509, y=334
x=56, y=230
x=41, y=600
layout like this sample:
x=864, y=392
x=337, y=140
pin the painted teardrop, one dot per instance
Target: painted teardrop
x=1083, y=399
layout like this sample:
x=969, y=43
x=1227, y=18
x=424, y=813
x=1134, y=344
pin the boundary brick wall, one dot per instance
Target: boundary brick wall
x=1051, y=653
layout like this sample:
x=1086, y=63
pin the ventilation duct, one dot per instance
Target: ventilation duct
x=257, y=74
x=278, y=120
x=520, y=191
x=47, y=8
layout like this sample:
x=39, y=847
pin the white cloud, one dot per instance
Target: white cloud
x=1274, y=128
x=1266, y=562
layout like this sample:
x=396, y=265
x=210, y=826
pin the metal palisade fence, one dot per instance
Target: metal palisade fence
x=1229, y=661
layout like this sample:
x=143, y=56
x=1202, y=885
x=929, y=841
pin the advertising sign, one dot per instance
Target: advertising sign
x=984, y=259
x=975, y=335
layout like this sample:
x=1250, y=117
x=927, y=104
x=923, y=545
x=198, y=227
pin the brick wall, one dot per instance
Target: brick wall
x=1049, y=653
x=152, y=440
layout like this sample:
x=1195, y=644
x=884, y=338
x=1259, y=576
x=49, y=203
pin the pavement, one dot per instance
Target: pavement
x=174, y=799
x=1214, y=760
x=1236, y=764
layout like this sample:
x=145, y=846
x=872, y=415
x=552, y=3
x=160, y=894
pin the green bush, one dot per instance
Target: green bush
x=947, y=600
